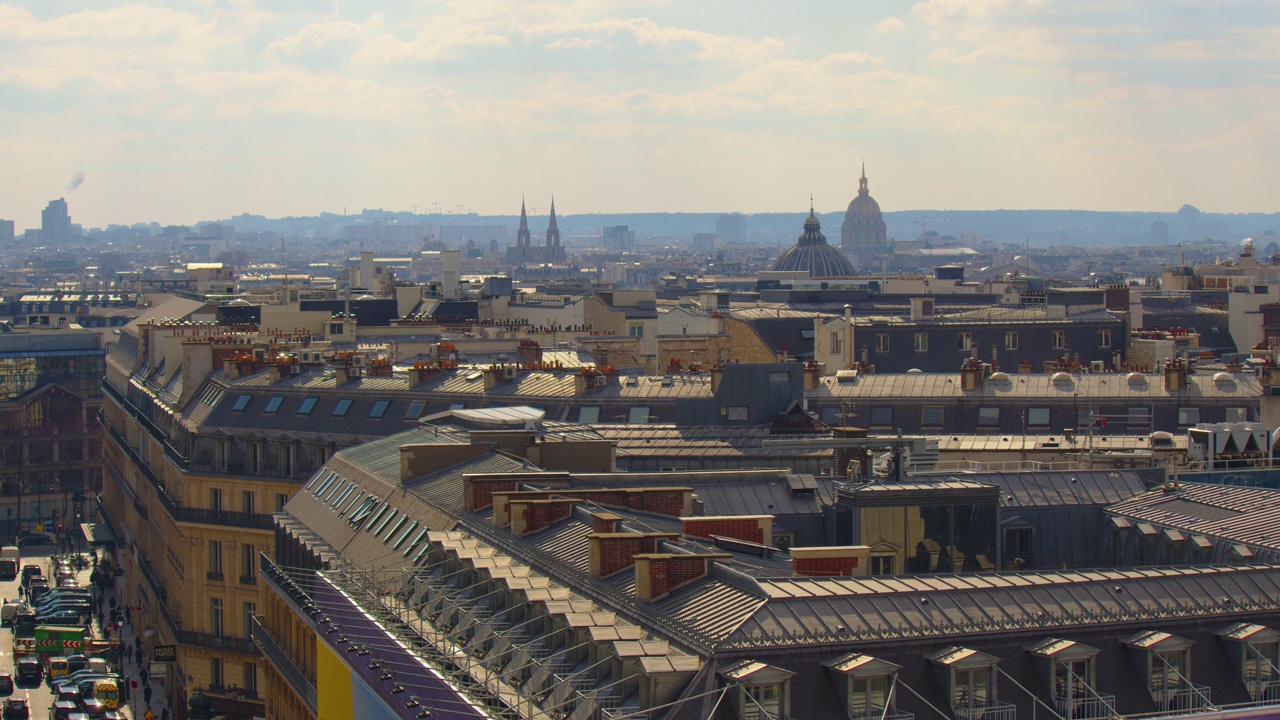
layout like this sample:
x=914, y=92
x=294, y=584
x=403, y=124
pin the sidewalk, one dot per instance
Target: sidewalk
x=129, y=668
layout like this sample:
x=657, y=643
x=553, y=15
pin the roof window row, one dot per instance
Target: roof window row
x=340, y=409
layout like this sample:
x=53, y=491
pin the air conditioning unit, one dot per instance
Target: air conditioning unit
x=1097, y=366
x=508, y=372
x=598, y=380
x=359, y=361
x=295, y=369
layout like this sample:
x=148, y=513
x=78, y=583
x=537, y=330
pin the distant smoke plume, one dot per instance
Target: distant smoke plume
x=76, y=181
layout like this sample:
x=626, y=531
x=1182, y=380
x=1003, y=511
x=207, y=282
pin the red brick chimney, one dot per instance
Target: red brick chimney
x=831, y=561
x=606, y=522
x=529, y=516
x=659, y=573
x=610, y=553
x=749, y=528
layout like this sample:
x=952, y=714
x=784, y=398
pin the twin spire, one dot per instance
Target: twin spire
x=524, y=238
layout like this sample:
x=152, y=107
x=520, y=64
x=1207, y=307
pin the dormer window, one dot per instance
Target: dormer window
x=1068, y=670
x=867, y=687
x=764, y=691
x=1165, y=660
x=969, y=678
x=1255, y=652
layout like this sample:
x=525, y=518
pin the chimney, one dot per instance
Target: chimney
x=971, y=375
x=421, y=373
x=749, y=528
x=830, y=561
x=1174, y=376
x=529, y=515
x=342, y=374
x=657, y=574
x=848, y=336
x=606, y=522
x=611, y=553
x=231, y=368
x=422, y=458
x=478, y=492
x=717, y=374
x=529, y=352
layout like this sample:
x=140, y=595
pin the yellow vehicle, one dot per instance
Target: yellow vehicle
x=107, y=692
x=58, y=668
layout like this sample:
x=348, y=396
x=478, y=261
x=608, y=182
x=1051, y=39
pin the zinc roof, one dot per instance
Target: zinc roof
x=916, y=386
x=1248, y=515
x=823, y=609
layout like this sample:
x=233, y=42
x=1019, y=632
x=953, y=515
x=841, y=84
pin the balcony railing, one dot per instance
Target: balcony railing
x=224, y=643
x=181, y=513
x=1188, y=698
x=1086, y=708
x=879, y=713
x=1266, y=692
x=994, y=710
x=283, y=664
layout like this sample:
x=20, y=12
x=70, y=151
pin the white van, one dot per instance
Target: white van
x=9, y=610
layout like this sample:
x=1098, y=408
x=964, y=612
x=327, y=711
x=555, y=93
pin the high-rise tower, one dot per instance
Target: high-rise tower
x=55, y=223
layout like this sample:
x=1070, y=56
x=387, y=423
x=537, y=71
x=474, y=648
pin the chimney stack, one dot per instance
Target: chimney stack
x=657, y=574
x=848, y=560
x=611, y=553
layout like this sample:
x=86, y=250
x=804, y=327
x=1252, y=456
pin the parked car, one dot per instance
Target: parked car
x=16, y=709
x=35, y=539
x=6, y=683
x=77, y=662
x=64, y=709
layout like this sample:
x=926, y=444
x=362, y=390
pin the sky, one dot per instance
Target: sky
x=191, y=110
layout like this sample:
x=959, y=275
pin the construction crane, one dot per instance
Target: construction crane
x=923, y=222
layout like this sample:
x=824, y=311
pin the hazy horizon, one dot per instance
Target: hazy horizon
x=171, y=111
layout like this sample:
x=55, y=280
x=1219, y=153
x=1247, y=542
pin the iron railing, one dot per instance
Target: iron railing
x=1096, y=705
x=225, y=643
x=994, y=710
x=1187, y=698
x=282, y=663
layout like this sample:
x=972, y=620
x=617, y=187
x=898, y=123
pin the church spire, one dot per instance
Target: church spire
x=522, y=235
x=862, y=182
x=553, y=232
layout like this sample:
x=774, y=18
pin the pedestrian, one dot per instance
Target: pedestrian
x=164, y=714
x=146, y=694
x=138, y=654
x=142, y=675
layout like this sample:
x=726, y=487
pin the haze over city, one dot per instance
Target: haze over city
x=178, y=112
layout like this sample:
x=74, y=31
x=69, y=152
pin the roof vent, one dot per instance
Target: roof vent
x=1061, y=377
x=915, y=370
x=1223, y=377
x=1137, y=378
x=999, y=377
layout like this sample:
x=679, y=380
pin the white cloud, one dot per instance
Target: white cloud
x=890, y=25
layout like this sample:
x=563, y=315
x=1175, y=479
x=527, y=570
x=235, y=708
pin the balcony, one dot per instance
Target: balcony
x=1266, y=692
x=180, y=513
x=223, y=643
x=283, y=664
x=1086, y=708
x=994, y=710
x=879, y=713
x=1191, y=698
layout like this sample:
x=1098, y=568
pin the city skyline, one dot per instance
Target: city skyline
x=176, y=112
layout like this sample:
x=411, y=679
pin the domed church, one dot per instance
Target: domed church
x=812, y=254
x=863, y=233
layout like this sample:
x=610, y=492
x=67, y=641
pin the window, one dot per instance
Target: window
x=379, y=409
x=762, y=702
x=306, y=406
x=274, y=404
x=1188, y=415
x=1059, y=339
x=589, y=414
x=1017, y=548
x=250, y=610
x=867, y=696
x=241, y=403
x=1073, y=681
x=931, y=416
x=215, y=616
x=254, y=452
x=1237, y=414
x=415, y=410
x=638, y=415
x=989, y=417
x=971, y=688
x=395, y=528
x=286, y=460
x=882, y=564
x=780, y=377
x=966, y=342
x=248, y=564
x=216, y=678
x=1259, y=667
x=1087, y=416
x=837, y=342
x=251, y=679
x=1140, y=416
x=882, y=342
x=215, y=560
x=1104, y=338
x=636, y=330
x=220, y=452
x=1037, y=417
x=281, y=499
x=248, y=501
x=363, y=510
x=881, y=416
x=1011, y=340
x=1168, y=670
x=404, y=535
x=340, y=410
x=385, y=521
x=215, y=498
x=922, y=342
